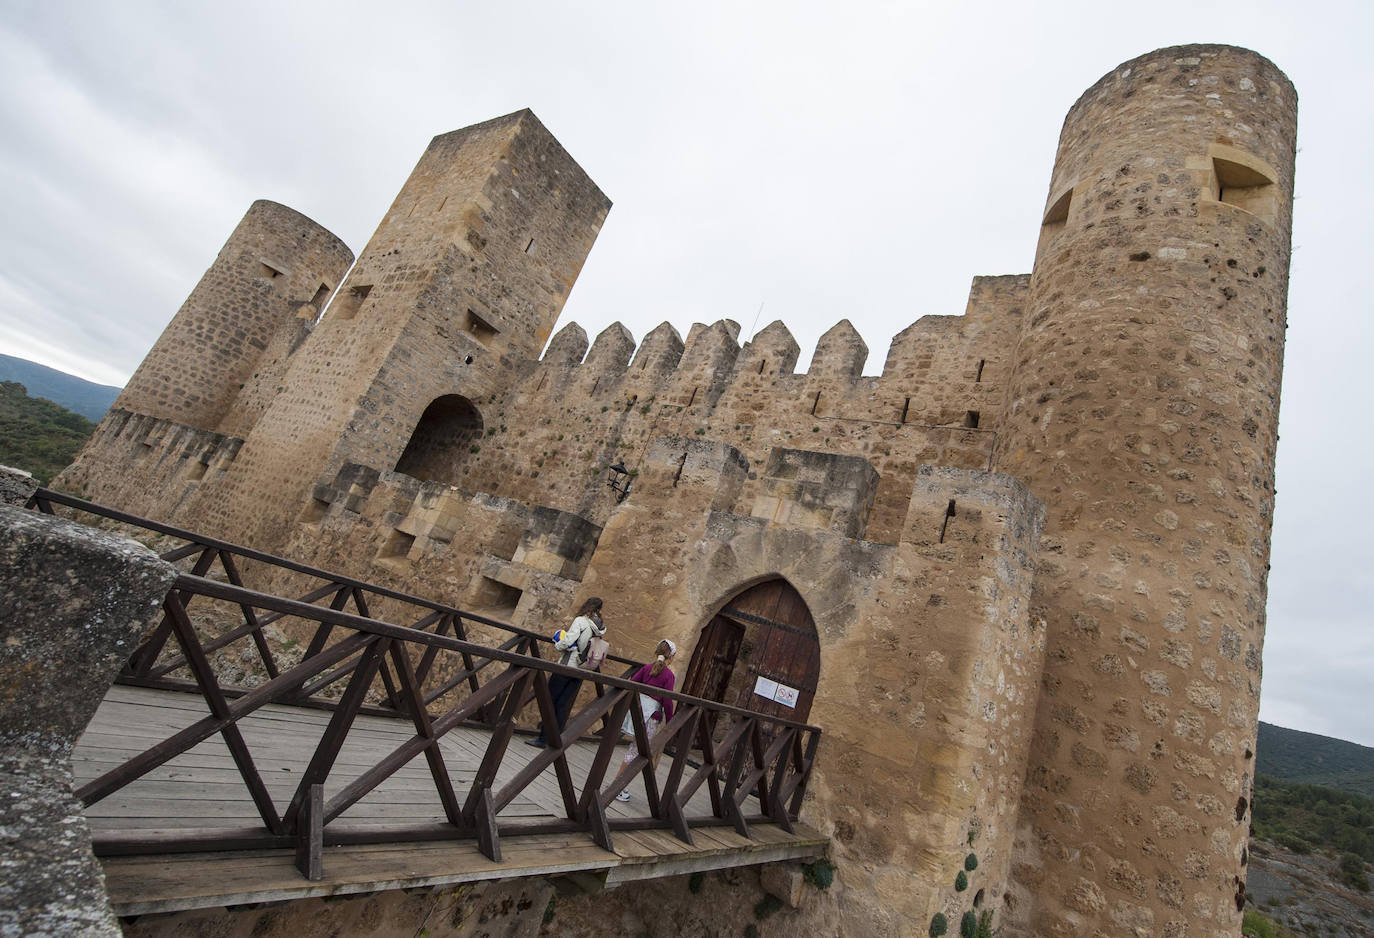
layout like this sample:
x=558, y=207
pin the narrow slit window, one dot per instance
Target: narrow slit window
x=542, y=379
x=681, y=464
x=691, y=399
x=441, y=206
x=978, y=375
x=268, y=271
x=906, y=407
x=816, y=403
x=596, y=384
x=944, y=526
x=761, y=364
x=971, y=419
x=529, y=247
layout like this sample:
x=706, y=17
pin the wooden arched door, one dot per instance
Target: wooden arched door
x=760, y=652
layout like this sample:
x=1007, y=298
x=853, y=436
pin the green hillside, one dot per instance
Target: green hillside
x=37, y=435
x=1294, y=756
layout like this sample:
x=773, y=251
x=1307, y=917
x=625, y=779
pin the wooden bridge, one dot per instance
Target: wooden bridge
x=259, y=748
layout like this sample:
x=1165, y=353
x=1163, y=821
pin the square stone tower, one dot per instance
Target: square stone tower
x=460, y=285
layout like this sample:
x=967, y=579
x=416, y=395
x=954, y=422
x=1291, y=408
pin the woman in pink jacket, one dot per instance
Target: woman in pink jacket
x=655, y=674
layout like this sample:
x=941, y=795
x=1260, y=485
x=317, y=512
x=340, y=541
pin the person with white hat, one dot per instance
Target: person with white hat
x=657, y=710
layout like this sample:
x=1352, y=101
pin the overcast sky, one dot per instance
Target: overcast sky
x=856, y=160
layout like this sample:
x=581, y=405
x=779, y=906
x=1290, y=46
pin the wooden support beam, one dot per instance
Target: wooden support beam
x=310, y=835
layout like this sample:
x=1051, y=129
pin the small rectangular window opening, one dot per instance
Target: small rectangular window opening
x=971, y=419
x=315, y=511
x=1245, y=188
x=397, y=545
x=944, y=526
x=978, y=375
x=495, y=595
x=480, y=329
x=348, y=304
x=320, y=296
x=1058, y=213
x=529, y=247
x=268, y=271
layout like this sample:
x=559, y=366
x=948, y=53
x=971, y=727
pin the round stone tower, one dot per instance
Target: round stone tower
x=275, y=265
x=1143, y=412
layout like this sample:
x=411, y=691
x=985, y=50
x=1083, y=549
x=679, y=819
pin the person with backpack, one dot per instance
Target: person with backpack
x=575, y=644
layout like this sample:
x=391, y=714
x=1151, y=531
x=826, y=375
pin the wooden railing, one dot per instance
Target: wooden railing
x=431, y=675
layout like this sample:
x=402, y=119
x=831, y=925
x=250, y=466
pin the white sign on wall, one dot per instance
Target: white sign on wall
x=787, y=696
x=772, y=690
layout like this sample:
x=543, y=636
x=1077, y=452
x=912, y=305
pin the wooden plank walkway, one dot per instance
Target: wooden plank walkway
x=202, y=789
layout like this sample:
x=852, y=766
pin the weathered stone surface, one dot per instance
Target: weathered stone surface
x=50, y=882
x=73, y=603
x=16, y=486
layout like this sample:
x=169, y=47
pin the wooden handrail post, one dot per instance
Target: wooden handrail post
x=310, y=835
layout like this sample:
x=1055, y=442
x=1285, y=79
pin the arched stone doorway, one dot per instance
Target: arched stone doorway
x=442, y=441
x=760, y=652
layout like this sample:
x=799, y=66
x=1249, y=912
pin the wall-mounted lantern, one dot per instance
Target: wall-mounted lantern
x=620, y=480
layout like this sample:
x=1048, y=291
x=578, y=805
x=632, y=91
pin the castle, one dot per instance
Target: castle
x=1018, y=578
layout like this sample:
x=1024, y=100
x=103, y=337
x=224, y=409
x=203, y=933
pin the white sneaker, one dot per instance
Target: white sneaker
x=623, y=796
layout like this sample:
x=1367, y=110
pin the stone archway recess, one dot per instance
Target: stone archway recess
x=443, y=437
x=760, y=652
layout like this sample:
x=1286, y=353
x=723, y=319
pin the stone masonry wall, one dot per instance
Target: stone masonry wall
x=929, y=667
x=275, y=264
x=494, y=223
x=146, y=465
x=548, y=439
x=1143, y=412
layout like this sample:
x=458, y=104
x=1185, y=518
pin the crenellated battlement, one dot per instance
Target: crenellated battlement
x=933, y=352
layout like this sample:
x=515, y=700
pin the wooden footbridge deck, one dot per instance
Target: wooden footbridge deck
x=353, y=754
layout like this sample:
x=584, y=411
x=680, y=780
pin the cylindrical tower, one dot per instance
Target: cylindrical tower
x=275, y=263
x=1143, y=411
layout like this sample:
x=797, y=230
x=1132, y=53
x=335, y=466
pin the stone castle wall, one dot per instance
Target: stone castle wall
x=276, y=268
x=1076, y=706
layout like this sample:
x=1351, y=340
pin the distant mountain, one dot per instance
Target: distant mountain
x=1294, y=756
x=86, y=398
